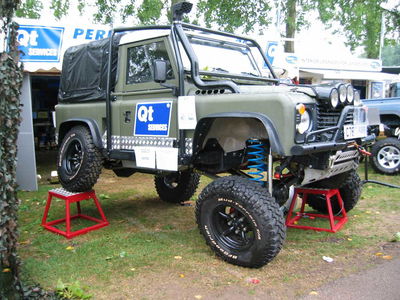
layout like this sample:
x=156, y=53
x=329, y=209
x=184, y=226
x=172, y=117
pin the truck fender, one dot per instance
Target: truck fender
x=90, y=123
x=205, y=123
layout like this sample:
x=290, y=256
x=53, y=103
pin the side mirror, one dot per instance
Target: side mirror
x=160, y=70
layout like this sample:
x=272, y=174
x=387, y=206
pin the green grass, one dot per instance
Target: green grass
x=146, y=235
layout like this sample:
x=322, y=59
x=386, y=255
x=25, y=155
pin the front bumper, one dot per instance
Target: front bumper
x=327, y=146
x=335, y=142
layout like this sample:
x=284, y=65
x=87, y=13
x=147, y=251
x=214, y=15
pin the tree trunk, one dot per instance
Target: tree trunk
x=372, y=41
x=290, y=24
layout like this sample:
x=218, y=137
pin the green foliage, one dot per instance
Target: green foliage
x=11, y=80
x=29, y=9
x=361, y=22
x=71, y=291
x=230, y=15
x=150, y=11
x=60, y=7
x=105, y=11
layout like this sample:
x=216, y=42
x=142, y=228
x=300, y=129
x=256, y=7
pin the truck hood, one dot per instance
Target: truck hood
x=262, y=89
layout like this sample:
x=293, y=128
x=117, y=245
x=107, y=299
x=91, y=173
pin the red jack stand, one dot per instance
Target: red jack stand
x=341, y=220
x=71, y=198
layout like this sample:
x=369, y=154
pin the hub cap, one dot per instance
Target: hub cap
x=389, y=157
x=232, y=228
x=73, y=158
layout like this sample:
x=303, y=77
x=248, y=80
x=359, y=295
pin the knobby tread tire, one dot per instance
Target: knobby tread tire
x=374, y=156
x=91, y=166
x=350, y=191
x=187, y=186
x=259, y=204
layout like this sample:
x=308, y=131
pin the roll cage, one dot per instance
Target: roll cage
x=178, y=35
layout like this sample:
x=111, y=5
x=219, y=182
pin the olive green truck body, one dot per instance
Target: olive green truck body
x=183, y=100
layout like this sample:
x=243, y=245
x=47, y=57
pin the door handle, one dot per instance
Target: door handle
x=127, y=116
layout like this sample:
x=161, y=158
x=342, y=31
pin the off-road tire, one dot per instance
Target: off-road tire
x=379, y=162
x=251, y=209
x=177, y=187
x=350, y=191
x=84, y=176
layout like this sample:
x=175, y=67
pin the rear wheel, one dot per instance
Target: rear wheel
x=177, y=187
x=79, y=162
x=240, y=221
x=350, y=191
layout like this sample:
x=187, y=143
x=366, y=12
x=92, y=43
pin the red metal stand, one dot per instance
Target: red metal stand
x=334, y=227
x=71, y=198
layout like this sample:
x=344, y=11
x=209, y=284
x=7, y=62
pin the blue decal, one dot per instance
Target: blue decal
x=291, y=59
x=270, y=53
x=153, y=118
x=375, y=65
x=40, y=43
x=90, y=34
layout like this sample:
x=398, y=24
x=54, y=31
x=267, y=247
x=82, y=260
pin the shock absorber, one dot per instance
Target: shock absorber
x=257, y=155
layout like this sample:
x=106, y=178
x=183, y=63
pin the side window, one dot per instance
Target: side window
x=140, y=58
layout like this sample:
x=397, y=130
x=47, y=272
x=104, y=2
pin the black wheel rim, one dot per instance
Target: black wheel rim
x=171, y=181
x=73, y=157
x=232, y=228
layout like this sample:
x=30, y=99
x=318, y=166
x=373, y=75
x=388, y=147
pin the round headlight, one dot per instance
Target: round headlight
x=342, y=93
x=334, y=98
x=357, y=100
x=305, y=123
x=350, y=93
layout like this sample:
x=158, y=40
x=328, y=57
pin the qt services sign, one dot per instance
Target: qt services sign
x=40, y=43
x=153, y=118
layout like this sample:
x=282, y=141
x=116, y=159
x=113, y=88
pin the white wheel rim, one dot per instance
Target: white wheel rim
x=389, y=157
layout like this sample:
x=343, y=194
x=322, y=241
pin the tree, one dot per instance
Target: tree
x=361, y=22
x=229, y=15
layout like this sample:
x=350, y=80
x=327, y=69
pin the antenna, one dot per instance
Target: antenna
x=179, y=9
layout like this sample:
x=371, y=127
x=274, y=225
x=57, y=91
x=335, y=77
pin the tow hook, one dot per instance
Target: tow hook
x=360, y=149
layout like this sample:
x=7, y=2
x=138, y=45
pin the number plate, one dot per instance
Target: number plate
x=355, y=131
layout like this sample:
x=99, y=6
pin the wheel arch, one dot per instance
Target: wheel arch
x=89, y=123
x=205, y=124
x=390, y=117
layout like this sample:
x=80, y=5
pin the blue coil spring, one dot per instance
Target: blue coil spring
x=257, y=160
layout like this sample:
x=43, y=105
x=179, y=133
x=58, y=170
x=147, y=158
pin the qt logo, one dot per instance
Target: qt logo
x=145, y=114
x=153, y=118
x=27, y=39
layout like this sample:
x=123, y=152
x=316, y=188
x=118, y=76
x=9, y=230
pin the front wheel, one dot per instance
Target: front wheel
x=79, y=162
x=349, y=189
x=240, y=221
x=386, y=156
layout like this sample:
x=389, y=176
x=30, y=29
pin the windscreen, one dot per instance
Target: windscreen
x=222, y=57
x=225, y=56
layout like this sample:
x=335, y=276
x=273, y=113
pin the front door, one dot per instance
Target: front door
x=147, y=110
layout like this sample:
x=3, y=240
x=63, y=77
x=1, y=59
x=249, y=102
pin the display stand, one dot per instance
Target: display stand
x=366, y=180
x=336, y=222
x=71, y=198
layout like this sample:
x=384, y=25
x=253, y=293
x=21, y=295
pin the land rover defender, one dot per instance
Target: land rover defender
x=179, y=101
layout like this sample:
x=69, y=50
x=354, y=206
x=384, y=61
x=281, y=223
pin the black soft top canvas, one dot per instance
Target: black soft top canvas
x=84, y=71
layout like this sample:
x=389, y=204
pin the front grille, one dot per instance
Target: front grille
x=327, y=117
